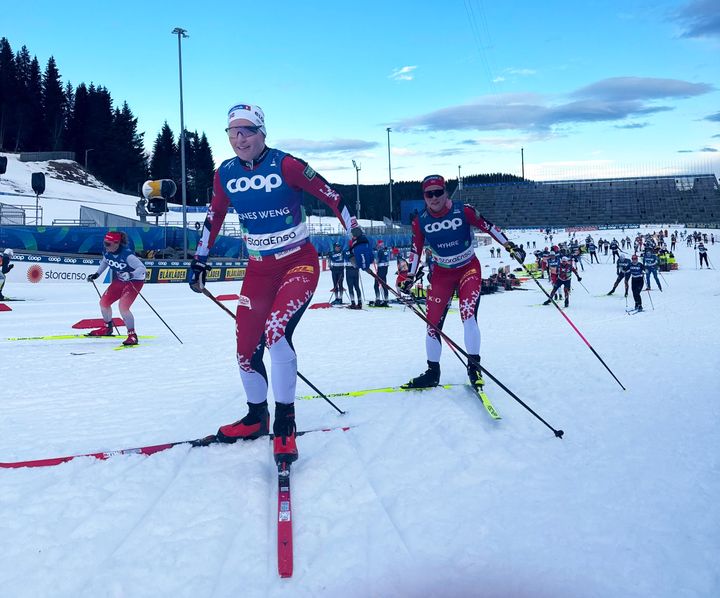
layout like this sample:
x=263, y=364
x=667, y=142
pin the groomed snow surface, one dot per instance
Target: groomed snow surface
x=426, y=496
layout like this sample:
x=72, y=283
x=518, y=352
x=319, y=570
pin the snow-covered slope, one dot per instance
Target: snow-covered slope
x=427, y=496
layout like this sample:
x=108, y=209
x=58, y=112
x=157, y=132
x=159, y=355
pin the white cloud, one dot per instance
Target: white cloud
x=404, y=73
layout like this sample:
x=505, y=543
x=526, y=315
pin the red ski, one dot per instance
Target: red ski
x=140, y=450
x=285, y=541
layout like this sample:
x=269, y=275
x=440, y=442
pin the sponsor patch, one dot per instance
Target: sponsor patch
x=298, y=269
x=282, y=254
x=244, y=301
x=309, y=173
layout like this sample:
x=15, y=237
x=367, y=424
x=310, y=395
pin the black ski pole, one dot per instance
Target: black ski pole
x=115, y=328
x=569, y=321
x=303, y=378
x=450, y=341
x=159, y=316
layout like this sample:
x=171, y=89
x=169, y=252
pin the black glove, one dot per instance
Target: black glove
x=515, y=251
x=579, y=279
x=199, y=270
x=93, y=276
x=407, y=284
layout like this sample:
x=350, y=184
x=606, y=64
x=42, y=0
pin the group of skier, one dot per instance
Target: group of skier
x=265, y=187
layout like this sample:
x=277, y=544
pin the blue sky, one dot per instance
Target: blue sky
x=588, y=89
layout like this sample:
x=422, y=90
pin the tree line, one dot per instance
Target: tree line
x=39, y=113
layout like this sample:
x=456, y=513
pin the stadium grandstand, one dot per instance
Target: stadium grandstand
x=613, y=201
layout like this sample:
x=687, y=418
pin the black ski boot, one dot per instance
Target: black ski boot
x=430, y=378
x=474, y=372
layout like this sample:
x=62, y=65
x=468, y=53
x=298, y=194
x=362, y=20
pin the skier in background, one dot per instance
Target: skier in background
x=447, y=228
x=265, y=186
x=337, y=270
x=5, y=267
x=564, y=278
x=382, y=261
x=650, y=261
x=636, y=270
x=702, y=252
x=128, y=278
x=622, y=266
x=352, y=277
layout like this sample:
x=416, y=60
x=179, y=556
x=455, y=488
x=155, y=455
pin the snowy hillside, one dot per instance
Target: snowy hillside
x=425, y=496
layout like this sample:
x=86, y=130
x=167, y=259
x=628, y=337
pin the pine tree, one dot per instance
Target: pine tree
x=204, y=171
x=164, y=163
x=53, y=105
x=8, y=95
x=78, y=122
x=130, y=160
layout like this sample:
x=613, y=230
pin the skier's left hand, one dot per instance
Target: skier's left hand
x=124, y=276
x=515, y=251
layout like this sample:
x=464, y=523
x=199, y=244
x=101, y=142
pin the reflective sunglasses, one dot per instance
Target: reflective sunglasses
x=244, y=131
x=434, y=193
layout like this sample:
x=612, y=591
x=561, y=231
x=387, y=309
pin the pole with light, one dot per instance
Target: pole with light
x=390, y=173
x=459, y=183
x=180, y=34
x=357, y=189
x=87, y=151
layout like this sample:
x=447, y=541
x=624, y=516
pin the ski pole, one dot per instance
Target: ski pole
x=569, y=321
x=299, y=375
x=583, y=286
x=450, y=341
x=115, y=328
x=157, y=314
x=651, y=301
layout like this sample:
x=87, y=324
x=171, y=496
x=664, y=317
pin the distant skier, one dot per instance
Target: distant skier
x=564, y=278
x=622, y=268
x=636, y=270
x=615, y=248
x=702, y=252
x=128, y=278
x=5, y=267
x=265, y=186
x=337, y=270
x=650, y=261
x=592, y=250
x=352, y=277
x=447, y=227
x=382, y=261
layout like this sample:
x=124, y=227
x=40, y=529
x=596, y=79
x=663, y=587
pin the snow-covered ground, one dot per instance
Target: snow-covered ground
x=426, y=496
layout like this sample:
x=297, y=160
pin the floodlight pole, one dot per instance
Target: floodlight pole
x=180, y=34
x=357, y=188
x=459, y=183
x=390, y=173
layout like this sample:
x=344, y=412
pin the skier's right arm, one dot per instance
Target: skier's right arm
x=101, y=268
x=211, y=228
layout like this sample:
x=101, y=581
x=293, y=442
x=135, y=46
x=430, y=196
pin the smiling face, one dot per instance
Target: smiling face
x=246, y=144
x=436, y=198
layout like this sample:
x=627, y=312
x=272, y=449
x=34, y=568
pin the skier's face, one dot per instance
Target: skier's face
x=246, y=146
x=435, y=198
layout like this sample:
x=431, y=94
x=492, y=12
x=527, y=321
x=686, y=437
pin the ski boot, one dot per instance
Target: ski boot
x=106, y=330
x=475, y=374
x=567, y=301
x=131, y=339
x=429, y=379
x=352, y=305
x=548, y=302
x=284, y=447
x=255, y=424
x=612, y=291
